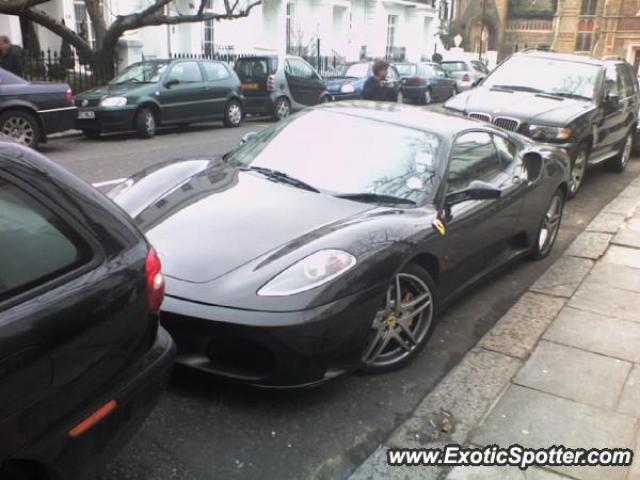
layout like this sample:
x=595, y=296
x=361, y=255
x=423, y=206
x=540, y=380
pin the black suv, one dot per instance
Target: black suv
x=587, y=106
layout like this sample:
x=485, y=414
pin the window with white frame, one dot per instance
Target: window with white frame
x=208, y=37
x=83, y=25
x=291, y=15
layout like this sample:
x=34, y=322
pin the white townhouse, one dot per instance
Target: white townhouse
x=345, y=28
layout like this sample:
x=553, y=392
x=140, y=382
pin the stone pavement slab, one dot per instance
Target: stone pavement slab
x=596, y=333
x=575, y=374
x=625, y=203
x=614, y=275
x=606, y=222
x=536, y=419
x=596, y=297
x=502, y=473
x=519, y=330
x=630, y=400
x=590, y=245
x=624, y=256
x=564, y=276
x=376, y=468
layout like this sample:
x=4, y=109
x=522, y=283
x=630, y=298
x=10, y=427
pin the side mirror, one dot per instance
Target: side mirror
x=477, y=190
x=170, y=83
x=247, y=137
x=476, y=82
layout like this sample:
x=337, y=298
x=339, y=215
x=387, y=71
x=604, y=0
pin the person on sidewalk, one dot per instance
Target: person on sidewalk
x=10, y=57
x=377, y=88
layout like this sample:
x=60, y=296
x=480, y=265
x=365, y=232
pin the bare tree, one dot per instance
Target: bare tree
x=107, y=35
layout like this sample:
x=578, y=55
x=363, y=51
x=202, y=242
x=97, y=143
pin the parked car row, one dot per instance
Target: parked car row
x=156, y=93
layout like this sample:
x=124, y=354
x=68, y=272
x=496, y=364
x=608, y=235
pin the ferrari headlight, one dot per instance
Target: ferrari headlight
x=543, y=132
x=348, y=88
x=113, y=102
x=310, y=272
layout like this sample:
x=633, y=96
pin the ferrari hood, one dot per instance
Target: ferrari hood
x=524, y=106
x=221, y=218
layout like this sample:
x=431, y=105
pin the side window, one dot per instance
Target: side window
x=628, y=81
x=35, y=245
x=439, y=72
x=612, y=82
x=215, y=71
x=186, y=72
x=473, y=157
x=299, y=69
x=507, y=152
x=393, y=74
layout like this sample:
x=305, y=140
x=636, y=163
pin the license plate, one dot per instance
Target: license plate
x=250, y=86
x=86, y=115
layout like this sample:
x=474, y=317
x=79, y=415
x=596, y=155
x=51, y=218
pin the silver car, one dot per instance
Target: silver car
x=467, y=73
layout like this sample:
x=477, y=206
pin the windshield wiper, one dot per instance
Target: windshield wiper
x=517, y=88
x=375, y=198
x=278, y=176
x=570, y=95
x=129, y=80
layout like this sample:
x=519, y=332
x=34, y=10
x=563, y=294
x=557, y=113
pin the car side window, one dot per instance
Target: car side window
x=627, y=81
x=612, y=82
x=507, y=152
x=186, y=72
x=36, y=246
x=215, y=71
x=299, y=69
x=474, y=157
x=393, y=74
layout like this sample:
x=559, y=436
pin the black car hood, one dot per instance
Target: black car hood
x=524, y=106
x=221, y=218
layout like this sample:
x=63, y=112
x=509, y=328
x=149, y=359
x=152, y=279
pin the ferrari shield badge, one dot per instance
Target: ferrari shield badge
x=440, y=226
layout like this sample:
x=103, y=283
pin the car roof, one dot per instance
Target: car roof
x=566, y=57
x=443, y=124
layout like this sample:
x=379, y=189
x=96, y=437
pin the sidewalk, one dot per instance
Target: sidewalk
x=562, y=367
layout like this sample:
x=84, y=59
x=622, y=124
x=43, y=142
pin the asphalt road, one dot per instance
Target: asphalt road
x=206, y=429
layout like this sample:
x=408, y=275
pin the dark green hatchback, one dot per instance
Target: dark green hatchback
x=162, y=92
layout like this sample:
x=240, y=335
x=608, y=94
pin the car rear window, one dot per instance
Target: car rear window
x=454, y=66
x=36, y=245
x=406, y=69
x=256, y=68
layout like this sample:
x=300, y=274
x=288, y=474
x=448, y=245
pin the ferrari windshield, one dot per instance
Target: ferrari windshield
x=345, y=155
x=545, y=75
x=146, y=72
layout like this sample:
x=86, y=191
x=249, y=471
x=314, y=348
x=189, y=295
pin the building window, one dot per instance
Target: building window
x=588, y=7
x=84, y=28
x=291, y=14
x=584, y=41
x=392, y=27
x=208, y=37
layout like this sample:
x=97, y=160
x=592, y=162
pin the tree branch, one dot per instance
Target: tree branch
x=42, y=18
x=203, y=3
x=178, y=19
x=15, y=7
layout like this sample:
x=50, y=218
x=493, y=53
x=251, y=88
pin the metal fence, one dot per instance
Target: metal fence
x=51, y=66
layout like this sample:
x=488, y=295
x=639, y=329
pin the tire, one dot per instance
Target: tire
x=281, y=109
x=22, y=127
x=91, y=134
x=400, y=98
x=619, y=163
x=579, y=165
x=428, y=97
x=324, y=99
x=145, y=123
x=549, y=226
x=383, y=351
x=233, y=114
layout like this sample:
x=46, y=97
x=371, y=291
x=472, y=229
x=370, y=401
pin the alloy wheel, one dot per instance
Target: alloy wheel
x=150, y=123
x=282, y=109
x=402, y=324
x=550, y=225
x=626, y=151
x=20, y=129
x=427, y=97
x=578, y=171
x=234, y=113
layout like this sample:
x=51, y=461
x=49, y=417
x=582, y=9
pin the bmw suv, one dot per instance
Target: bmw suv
x=588, y=107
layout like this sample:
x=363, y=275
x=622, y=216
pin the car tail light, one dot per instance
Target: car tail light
x=271, y=83
x=155, y=282
x=69, y=94
x=415, y=81
x=466, y=78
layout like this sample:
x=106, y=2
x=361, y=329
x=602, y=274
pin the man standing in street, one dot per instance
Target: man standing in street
x=10, y=58
x=376, y=87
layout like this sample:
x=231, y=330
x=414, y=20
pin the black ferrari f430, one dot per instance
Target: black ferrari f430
x=330, y=242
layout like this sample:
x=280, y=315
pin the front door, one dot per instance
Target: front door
x=304, y=83
x=217, y=87
x=479, y=231
x=611, y=126
x=183, y=96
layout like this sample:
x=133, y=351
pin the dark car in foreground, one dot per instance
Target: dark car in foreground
x=346, y=82
x=425, y=82
x=298, y=256
x=29, y=111
x=162, y=92
x=588, y=107
x=82, y=358
x=278, y=85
